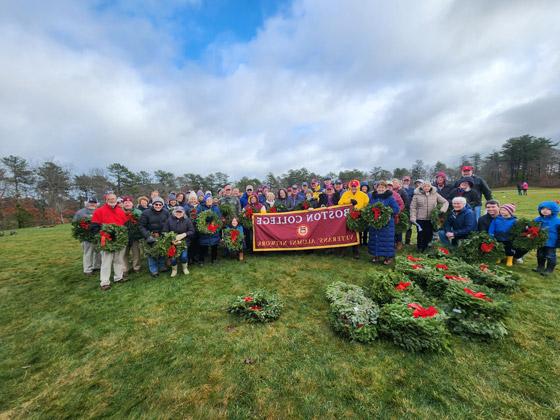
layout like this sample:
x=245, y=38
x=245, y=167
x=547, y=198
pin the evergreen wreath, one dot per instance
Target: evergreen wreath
x=479, y=247
x=402, y=222
x=111, y=238
x=246, y=218
x=208, y=222
x=233, y=239
x=355, y=221
x=377, y=215
x=257, y=306
x=528, y=235
x=81, y=230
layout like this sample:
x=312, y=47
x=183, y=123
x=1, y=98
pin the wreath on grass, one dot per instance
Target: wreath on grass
x=480, y=247
x=402, y=222
x=246, y=218
x=111, y=238
x=414, y=327
x=528, y=235
x=387, y=287
x=355, y=221
x=208, y=222
x=233, y=239
x=377, y=215
x=81, y=230
x=352, y=314
x=258, y=306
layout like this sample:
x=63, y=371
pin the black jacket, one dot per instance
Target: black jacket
x=484, y=223
x=472, y=196
x=446, y=191
x=152, y=221
x=323, y=199
x=479, y=186
x=182, y=225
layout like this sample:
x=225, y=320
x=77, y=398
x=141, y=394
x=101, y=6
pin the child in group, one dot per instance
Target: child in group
x=234, y=224
x=500, y=229
x=548, y=218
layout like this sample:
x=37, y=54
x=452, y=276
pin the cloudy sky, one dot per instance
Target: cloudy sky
x=246, y=86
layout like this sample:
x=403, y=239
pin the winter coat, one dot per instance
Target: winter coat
x=281, y=202
x=480, y=186
x=83, y=212
x=444, y=191
x=500, y=228
x=243, y=200
x=293, y=201
x=405, y=198
x=484, y=222
x=209, y=239
x=233, y=202
x=550, y=223
x=361, y=198
x=462, y=223
x=134, y=233
x=153, y=221
x=423, y=204
x=180, y=225
x=472, y=196
x=525, y=186
x=324, y=199
x=381, y=242
x=268, y=205
x=410, y=191
x=399, y=200
x=107, y=214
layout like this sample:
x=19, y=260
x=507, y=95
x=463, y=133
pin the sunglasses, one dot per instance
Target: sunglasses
x=249, y=189
x=158, y=205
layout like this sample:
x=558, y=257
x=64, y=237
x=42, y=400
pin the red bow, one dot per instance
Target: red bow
x=255, y=308
x=531, y=232
x=478, y=295
x=104, y=238
x=402, y=285
x=172, y=251
x=376, y=212
x=483, y=267
x=248, y=299
x=456, y=278
x=442, y=267
x=132, y=219
x=443, y=251
x=305, y=205
x=249, y=212
x=422, y=312
x=234, y=235
x=272, y=210
x=486, y=247
x=84, y=225
x=417, y=266
x=354, y=214
x=411, y=258
x=212, y=227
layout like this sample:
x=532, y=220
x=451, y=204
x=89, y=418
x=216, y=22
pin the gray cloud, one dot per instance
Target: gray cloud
x=328, y=86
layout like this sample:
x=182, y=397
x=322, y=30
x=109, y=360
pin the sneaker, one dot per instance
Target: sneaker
x=519, y=261
x=154, y=275
x=106, y=287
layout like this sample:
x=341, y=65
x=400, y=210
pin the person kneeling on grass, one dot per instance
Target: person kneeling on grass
x=184, y=228
x=459, y=224
x=500, y=228
x=548, y=218
x=381, y=242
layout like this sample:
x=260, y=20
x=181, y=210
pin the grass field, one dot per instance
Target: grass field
x=166, y=348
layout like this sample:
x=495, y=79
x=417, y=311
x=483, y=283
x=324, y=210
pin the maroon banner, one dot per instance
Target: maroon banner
x=306, y=229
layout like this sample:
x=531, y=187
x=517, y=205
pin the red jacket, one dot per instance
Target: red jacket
x=108, y=214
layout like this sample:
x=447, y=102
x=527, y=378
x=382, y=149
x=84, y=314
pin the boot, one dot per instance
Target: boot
x=241, y=256
x=549, y=269
x=509, y=261
x=355, y=252
x=173, y=271
x=185, y=268
x=540, y=265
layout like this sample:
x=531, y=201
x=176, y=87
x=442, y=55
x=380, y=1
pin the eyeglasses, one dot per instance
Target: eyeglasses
x=249, y=189
x=158, y=205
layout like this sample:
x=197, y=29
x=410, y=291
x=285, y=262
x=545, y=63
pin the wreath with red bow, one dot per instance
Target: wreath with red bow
x=112, y=238
x=528, y=235
x=377, y=215
x=81, y=230
x=208, y=222
x=246, y=218
x=480, y=247
x=233, y=239
x=355, y=221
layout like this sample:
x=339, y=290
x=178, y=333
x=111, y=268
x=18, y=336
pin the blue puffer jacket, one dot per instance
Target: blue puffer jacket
x=213, y=239
x=550, y=223
x=500, y=228
x=244, y=199
x=462, y=223
x=381, y=242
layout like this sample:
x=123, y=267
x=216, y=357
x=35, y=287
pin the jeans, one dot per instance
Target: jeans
x=183, y=258
x=445, y=240
x=155, y=264
x=477, y=211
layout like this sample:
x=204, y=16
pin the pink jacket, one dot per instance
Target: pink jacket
x=399, y=200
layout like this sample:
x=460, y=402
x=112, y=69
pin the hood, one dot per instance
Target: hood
x=552, y=205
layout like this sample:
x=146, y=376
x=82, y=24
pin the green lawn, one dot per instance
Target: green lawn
x=167, y=349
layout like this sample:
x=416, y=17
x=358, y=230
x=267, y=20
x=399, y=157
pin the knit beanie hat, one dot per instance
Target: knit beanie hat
x=442, y=174
x=510, y=208
x=171, y=196
x=158, y=200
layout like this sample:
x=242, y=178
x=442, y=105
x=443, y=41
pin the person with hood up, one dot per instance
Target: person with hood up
x=91, y=259
x=381, y=243
x=459, y=224
x=151, y=226
x=465, y=189
x=425, y=200
x=479, y=185
x=548, y=218
x=184, y=228
x=209, y=240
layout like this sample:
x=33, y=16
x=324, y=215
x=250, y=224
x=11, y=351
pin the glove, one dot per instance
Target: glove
x=151, y=240
x=353, y=202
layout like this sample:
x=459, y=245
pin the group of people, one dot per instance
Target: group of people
x=155, y=216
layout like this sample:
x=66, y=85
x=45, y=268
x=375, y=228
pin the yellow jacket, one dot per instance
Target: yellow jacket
x=361, y=198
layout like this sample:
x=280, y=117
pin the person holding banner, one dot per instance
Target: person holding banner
x=359, y=200
x=381, y=243
x=329, y=198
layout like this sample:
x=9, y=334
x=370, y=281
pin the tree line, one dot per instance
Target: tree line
x=49, y=193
